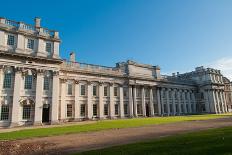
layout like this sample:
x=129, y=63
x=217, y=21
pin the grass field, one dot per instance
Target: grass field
x=210, y=142
x=102, y=125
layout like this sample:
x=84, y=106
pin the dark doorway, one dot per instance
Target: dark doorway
x=46, y=113
x=147, y=110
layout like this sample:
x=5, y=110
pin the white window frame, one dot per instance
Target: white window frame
x=30, y=43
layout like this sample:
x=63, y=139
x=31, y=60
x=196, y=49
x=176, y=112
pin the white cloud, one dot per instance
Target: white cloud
x=223, y=64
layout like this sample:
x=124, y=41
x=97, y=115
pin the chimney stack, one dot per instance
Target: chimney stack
x=37, y=22
x=72, y=57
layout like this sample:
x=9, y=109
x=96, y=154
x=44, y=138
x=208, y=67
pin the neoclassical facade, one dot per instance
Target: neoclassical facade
x=37, y=86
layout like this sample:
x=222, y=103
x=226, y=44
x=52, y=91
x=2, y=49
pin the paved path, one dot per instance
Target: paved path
x=94, y=140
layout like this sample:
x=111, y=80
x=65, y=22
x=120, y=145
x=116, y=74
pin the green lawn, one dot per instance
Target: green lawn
x=102, y=125
x=210, y=142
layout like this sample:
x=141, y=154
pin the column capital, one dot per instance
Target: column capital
x=76, y=81
x=63, y=80
x=55, y=73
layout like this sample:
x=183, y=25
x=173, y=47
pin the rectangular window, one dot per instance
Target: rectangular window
x=28, y=82
x=30, y=44
x=147, y=94
x=26, y=112
x=7, y=80
x=106, y=109
x=125, y=109
x=48, y=47
x=105, y=91
x=94, y=90
x=82, y=110
x=5, y=112
x=125, y=92
x=69, y=89
x=116, y=111
x=46, y=83
x=11, y=40
x=69, y=110
x=115, y=91
x=139, y=109
x=94, y=109
x=83, y=90
x=138, y=92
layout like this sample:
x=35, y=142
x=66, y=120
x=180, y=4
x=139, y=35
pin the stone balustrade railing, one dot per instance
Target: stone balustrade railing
x=28, y=28
x=67, y=65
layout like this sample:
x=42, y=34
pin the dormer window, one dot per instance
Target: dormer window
x=48, y=47
x=10, y=40
x=30, y=44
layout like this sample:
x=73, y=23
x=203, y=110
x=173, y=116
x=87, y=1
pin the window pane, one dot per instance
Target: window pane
x=83, y=90
x=125, y=109
x=69, y=110
x=94, y=109
x=94, y=90
x=105, y=91
x=5, y=112
x=116, y=109
x=26, y=112
x=30, y=43
x=28, y=82
x=106, y=109
x=48, y=47
x=82, y=110
x=46, y=83
x=10, y=40
x=69, y=89
x=7, y=80
x=115, y=91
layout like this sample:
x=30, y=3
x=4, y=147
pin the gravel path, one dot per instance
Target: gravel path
x=101, y=139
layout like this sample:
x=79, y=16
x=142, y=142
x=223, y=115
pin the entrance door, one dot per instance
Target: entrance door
x=46, y=110
x=147, y=110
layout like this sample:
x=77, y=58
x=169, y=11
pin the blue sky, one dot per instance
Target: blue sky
x=177, y=35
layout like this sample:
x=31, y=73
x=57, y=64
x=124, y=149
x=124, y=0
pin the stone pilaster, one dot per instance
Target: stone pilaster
x=158, y=100
x=121, y=111
x=101, y=104
x=167, y=102
x=16, y=97
x=77, y=105
x=173, y=102
x=143, y=102
x=55, y=98
x=112, y=101
x=63, y=100
x=130, y=102
x=89, y=102
x=38, y=98
x=135, y=101
x=162, y=101
x=179, y=102
x=151, y=102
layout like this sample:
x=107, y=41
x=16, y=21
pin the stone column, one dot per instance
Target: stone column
x=162, y=101
x=63, y=100
x=189, y=102
x=1, y=80
x=89, y=102
x=183, y=93
x=167, y=103
x=112, y=114
x=130, y=102
x=211, y=101
x=217, y=101
x=158, y=101
x=179, y=101
x=121, y=108
x=135, y=102
x=222, y=102
x=151, y=103
x=101, y=104
x=55, y=98
x=173, y=102
x=77, y=105
x=38, y=101
x=214, y=102
x=224, y=99
x=16, y=97
x=143, y=102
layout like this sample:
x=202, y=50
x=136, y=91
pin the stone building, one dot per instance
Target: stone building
x=37, y=86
